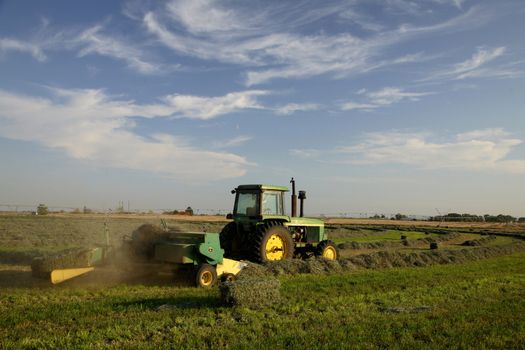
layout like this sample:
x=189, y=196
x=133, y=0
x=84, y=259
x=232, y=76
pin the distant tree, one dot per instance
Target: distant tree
x=86, y=210
x=521, y=220
x=42, y=209
x=188, y=211
x=400, y=216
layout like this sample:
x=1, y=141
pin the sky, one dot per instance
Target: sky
x=373, y=106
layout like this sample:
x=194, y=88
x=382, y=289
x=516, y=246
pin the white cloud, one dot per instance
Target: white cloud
x=476, y=67
x=349, y=106
x=291, y=108
x=92, y=41
x=382, y=98
x=234, y=142
x=8, y=44
x=204, y=16
x=198, y=107
x=88, y=124
x=269, y=43
x=486, y=149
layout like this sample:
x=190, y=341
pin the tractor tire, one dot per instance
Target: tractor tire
x=205, y=276
x=272, y=242
x=327, y=250
x=227, y=237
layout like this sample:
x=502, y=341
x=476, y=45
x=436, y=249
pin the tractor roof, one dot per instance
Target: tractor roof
x=262, y=187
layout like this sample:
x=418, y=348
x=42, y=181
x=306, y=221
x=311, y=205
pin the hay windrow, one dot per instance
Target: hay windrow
x=478, y=242
x=405, y=242
x=379, y=260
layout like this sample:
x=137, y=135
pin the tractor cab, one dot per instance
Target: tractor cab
x=259, y=202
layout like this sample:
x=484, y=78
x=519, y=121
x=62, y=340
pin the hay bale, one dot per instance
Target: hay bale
x=70, y=258
x=249, y=291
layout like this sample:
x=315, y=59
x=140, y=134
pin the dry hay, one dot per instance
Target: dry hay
x=405, y=242
x=70, y=258
x=478, y=242
x=254, y=288
x=312, y=266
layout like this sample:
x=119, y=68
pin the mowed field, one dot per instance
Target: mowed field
x=478, y=303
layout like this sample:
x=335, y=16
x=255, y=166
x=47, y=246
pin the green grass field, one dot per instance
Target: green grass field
x=476, y=305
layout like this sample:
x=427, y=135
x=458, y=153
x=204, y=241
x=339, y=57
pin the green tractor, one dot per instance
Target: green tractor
x=261, y=231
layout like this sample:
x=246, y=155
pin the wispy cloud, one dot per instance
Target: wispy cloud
x=270, y=48
x=480, y=65
x=93, y=41
x=382, y=98
x=199, y=107
x=233, y=142
x=476, y=150
x=8, y=45
x=292, y=108
x=90, y=125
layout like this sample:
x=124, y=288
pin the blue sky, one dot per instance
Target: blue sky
x=374, y=106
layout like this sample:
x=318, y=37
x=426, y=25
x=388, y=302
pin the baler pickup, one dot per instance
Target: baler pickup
x=70, y=263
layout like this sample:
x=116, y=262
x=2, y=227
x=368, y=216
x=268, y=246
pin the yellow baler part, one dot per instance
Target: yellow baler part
x=230, y=266
x=58, y=276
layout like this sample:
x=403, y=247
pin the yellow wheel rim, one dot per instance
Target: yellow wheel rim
x=275, y=248
x=330, y=253
x=206, y=279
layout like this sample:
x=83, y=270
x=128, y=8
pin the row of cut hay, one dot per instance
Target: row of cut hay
x=257, y=286
x=478, y=242
x=405, y=242
x=387, y=259
x=66, y=259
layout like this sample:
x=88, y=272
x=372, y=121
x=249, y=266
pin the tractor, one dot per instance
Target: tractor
x=261, y=231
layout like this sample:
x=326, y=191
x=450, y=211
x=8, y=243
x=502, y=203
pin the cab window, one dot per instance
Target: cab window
x=247, y=204
x=272, y=203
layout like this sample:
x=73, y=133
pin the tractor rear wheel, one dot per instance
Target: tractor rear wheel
x=227, y=237
x=327, y=250
x=272, y=242
x=205, y=276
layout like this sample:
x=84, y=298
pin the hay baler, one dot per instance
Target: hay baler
x=199, y=251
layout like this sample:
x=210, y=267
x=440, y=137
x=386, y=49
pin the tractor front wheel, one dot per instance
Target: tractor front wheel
x=273, y=242
x=328, y=250
x=205, y=276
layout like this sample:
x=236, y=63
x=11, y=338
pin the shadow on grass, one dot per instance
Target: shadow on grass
x=173, y=303
x=21, y=277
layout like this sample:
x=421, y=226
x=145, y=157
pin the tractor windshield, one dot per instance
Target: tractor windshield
x=247, y=204
x=272, y=203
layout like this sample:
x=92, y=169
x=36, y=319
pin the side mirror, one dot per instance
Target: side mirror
x=229, y=216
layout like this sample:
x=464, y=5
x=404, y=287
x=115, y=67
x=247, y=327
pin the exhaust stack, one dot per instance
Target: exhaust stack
x=302, y=197
x=294, y=199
